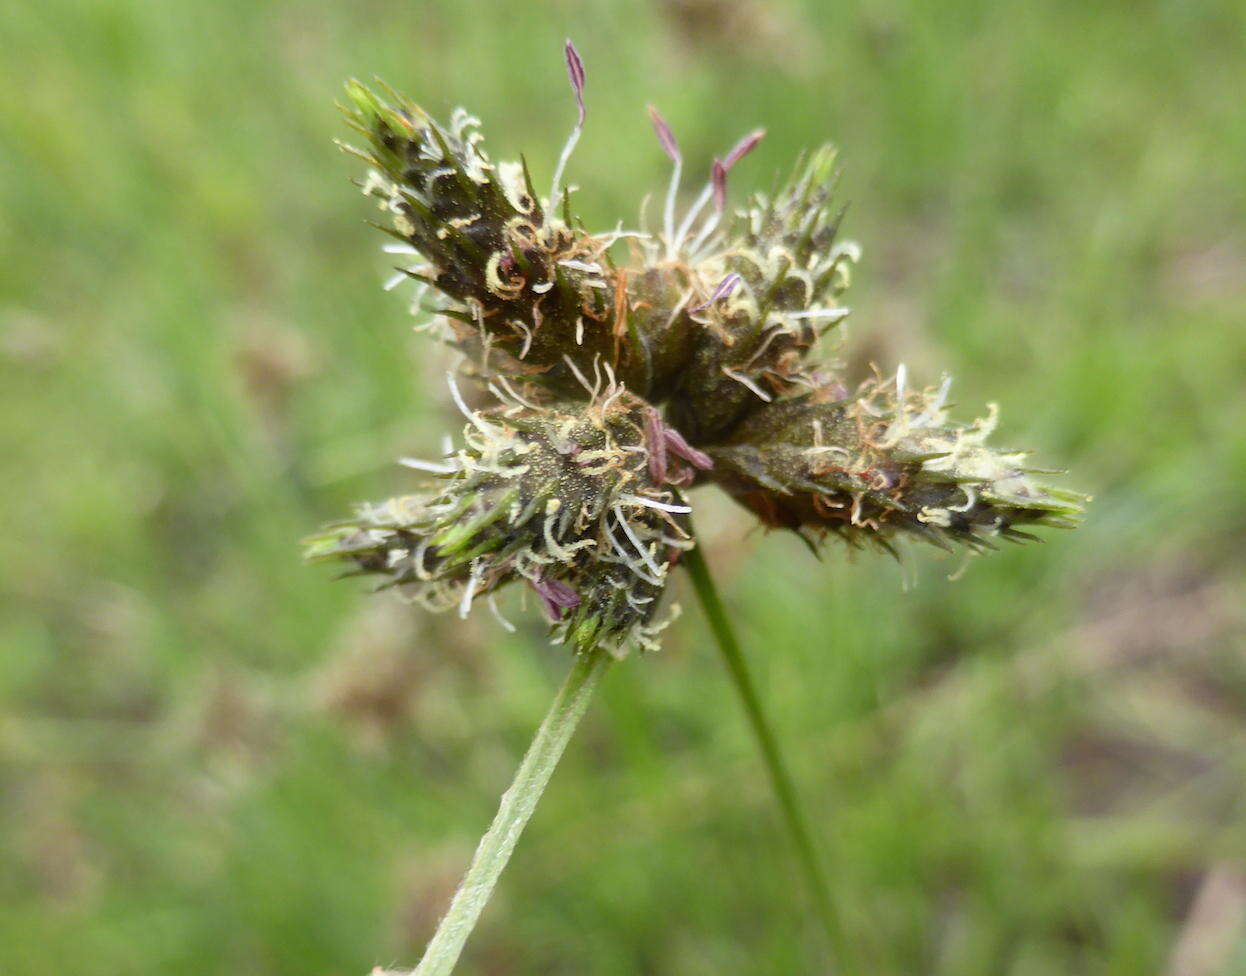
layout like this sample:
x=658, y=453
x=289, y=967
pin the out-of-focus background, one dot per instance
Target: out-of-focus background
x=213, y=760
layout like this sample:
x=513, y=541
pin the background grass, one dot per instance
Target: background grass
x=215, y=761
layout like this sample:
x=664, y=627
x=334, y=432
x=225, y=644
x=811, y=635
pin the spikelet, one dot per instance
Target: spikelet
x=525, y=291
x=781, y=273
x=562, y=497
x=883, y=462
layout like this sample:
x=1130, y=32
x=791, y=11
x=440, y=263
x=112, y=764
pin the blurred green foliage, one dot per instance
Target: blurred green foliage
x=212, y=760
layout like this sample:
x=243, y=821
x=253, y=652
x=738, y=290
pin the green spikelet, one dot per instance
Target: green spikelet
x=562, y=497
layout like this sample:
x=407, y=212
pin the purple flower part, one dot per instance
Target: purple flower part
x=556, y=596
x=575, y=71
x=655, y=438
x=725, y=288
x=720, y=169
x=718, y=177
x=665, y=135
x=675, y=441
x=743, y=148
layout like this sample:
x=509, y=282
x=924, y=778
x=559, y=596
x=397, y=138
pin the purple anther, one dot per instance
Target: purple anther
x=720, y=169
x=718, y=178
x=725, y=288
x=665, y=136
x=743, y=148
x=655, y=439
x=680, y=447
x=556, y=596
x=575, y=71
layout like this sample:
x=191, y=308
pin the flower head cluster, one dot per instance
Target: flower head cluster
x=621, y=380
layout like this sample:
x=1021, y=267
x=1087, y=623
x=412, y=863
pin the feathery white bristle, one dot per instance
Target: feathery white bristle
x=631, y=499
x=434, y=467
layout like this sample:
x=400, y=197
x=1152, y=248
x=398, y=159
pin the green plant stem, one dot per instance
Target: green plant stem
x=513, y=814
x=781, y=780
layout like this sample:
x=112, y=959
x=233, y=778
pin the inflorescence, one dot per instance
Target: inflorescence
x=621, y=382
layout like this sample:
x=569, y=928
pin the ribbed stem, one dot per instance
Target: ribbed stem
x=780, y=779
x=513, y=814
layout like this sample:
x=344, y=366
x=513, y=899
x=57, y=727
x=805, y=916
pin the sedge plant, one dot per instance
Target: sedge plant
x=621, y=370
